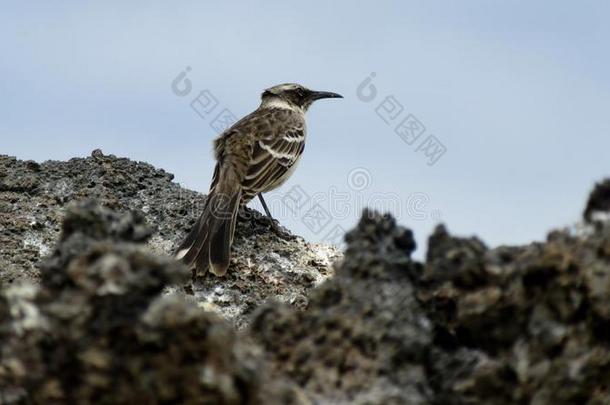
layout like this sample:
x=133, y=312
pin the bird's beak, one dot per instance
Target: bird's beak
x=317, y=95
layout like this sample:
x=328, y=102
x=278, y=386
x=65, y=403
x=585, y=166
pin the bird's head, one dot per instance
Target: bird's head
x=292, y=95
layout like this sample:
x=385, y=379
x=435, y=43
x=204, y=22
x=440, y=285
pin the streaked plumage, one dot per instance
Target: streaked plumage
x=257, y=154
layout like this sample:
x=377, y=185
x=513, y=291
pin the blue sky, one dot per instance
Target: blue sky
x=516, y=92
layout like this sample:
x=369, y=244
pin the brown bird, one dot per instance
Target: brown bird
x=256, y=155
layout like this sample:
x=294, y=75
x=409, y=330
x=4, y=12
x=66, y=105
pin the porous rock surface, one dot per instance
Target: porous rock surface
x=526, y=324
x=471, y=325
x=364, y=337
x=267, y=261
x=97, y=328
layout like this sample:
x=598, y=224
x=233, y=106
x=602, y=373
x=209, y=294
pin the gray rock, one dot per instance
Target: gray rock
x=364, y=337
x=99, y=330
x=110, y=316
x=533, y=328
x=266, y=263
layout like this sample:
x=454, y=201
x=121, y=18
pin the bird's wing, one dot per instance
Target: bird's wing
x=272, y=158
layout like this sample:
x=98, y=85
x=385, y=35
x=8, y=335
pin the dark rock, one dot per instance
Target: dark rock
x=599, y=201
x=98, y=329
x=457, y=259
x=364, y=337
x=111, y=318
x=97, y=154
x=534, y=326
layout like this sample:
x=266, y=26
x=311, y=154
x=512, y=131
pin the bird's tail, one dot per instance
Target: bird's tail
x=208, y=245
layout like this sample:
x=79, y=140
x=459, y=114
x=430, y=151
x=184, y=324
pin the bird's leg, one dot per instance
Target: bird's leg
x=260, y=197
x=273, y=222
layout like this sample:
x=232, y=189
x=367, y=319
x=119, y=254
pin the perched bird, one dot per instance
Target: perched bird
x=256, y=155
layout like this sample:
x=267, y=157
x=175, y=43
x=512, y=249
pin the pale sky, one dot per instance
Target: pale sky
x=517, y=93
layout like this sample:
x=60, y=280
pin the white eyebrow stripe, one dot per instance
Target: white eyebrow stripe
x=277, y=102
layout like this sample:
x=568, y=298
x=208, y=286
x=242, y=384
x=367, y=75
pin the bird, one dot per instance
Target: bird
x=255, y=155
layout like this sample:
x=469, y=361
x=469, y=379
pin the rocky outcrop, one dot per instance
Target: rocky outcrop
x=98, y=330
x=521, y=325
x=108, y=317
x=474, y=326
x=267, y=261
x=598, y=205
x=364, y=337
